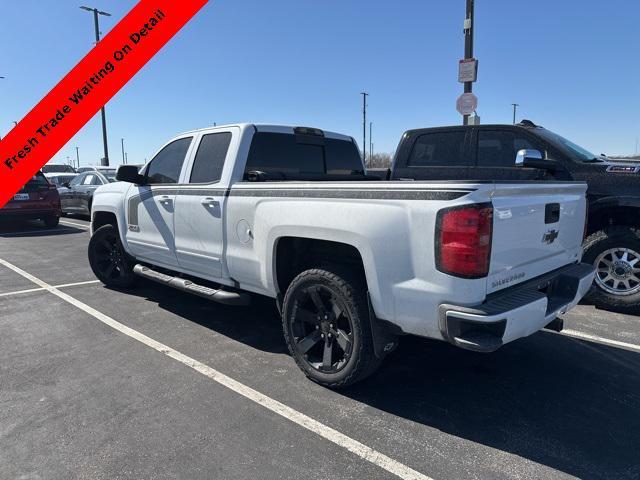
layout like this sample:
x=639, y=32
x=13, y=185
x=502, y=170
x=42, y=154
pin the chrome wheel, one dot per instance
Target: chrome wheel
x=618, y=271
x=322, y=329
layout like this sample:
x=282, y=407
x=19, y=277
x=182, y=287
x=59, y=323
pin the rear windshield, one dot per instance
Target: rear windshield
x=37, y=182
x=300, y=154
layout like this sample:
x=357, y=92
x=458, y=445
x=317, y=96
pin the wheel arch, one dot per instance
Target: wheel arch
x=608, y=211
x=294, y=254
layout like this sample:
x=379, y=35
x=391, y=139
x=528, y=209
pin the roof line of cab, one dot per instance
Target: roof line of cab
x=267, y=127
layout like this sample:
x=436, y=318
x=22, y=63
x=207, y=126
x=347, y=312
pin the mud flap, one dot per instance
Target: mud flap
x=385, y=340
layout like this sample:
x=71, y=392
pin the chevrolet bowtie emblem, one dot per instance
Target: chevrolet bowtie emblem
x=550, y=237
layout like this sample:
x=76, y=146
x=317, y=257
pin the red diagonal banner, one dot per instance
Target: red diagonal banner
x=88, y=87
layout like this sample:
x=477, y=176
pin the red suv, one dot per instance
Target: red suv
x=38, y=199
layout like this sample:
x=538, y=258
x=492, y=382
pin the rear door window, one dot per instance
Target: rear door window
x=212, y=151
x=442, y=149
x=167, y=164
x=498, y=148
x=89, y=179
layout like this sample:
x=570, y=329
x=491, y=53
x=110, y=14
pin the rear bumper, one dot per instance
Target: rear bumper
x=516, y=312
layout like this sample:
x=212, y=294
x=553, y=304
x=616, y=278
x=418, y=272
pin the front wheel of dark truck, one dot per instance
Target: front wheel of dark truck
x=327, y=328
x=615, y=252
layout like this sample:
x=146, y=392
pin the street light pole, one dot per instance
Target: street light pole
x=468, y=48
x=1, y=78
x=78, y=157
x=123, y=159
x=515, y=107
x=364, y=127
x=370, y=139
x=103, y=114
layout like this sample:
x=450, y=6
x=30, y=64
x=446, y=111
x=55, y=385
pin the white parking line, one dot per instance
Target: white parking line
x=40, y=289
x=363, y=451
x=604, y=341
x=79, y=225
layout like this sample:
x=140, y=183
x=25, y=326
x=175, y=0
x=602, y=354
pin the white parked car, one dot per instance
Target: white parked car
x=352, y=262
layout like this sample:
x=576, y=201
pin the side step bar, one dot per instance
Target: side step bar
x=217, y=295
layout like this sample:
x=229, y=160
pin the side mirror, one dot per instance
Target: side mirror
x=129, y=173
x=533, y=159
x=66, y=185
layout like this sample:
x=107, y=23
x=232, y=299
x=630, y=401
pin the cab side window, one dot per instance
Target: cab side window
x=441, y=149
x=499, y=148
x=212, y=151
x=167, y=164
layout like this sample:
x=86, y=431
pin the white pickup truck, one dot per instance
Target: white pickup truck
x=352, y=261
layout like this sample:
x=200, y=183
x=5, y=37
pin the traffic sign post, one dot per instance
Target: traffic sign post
x=466, y=104
x=468, y=70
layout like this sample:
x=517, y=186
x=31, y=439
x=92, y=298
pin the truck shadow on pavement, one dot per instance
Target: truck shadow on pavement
x=31, y=230
x=569, y=404
x=257, y=325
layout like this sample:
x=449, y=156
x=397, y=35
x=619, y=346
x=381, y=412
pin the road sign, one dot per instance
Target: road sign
x=467, y=70
x=467, y=103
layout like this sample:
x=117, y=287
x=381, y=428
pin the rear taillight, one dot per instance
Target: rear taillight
x=463, y=240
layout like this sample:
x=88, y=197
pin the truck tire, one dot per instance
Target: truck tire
x=615, y=252
x=51, y=221
x=326, y=325
x=108, y=260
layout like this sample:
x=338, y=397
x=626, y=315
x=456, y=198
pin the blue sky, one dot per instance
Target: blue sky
x=572, y=65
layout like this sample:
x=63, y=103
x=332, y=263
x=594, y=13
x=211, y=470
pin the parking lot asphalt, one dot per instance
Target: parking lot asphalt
x=82, y=399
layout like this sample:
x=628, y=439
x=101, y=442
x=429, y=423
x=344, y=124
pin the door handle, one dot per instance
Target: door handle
x=209, y=202
x=165, y=199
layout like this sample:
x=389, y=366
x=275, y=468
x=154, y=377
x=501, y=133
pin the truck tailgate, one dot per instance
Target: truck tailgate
x=537, y=228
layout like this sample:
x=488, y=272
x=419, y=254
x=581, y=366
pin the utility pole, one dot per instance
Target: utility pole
x=96, y=12
x=370, y=139
x=1, y=78
x=515, y=107
x=78, y=156
x=123, y=159
x=364, y=127
x=468, y=48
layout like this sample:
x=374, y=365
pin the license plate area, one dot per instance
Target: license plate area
x=21, y=196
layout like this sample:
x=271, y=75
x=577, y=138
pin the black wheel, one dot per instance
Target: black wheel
x=615, y=252
x=327, y=328
x=108, y=260
x=51, y=221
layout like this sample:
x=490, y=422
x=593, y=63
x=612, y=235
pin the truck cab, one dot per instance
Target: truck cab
x=490, y=153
